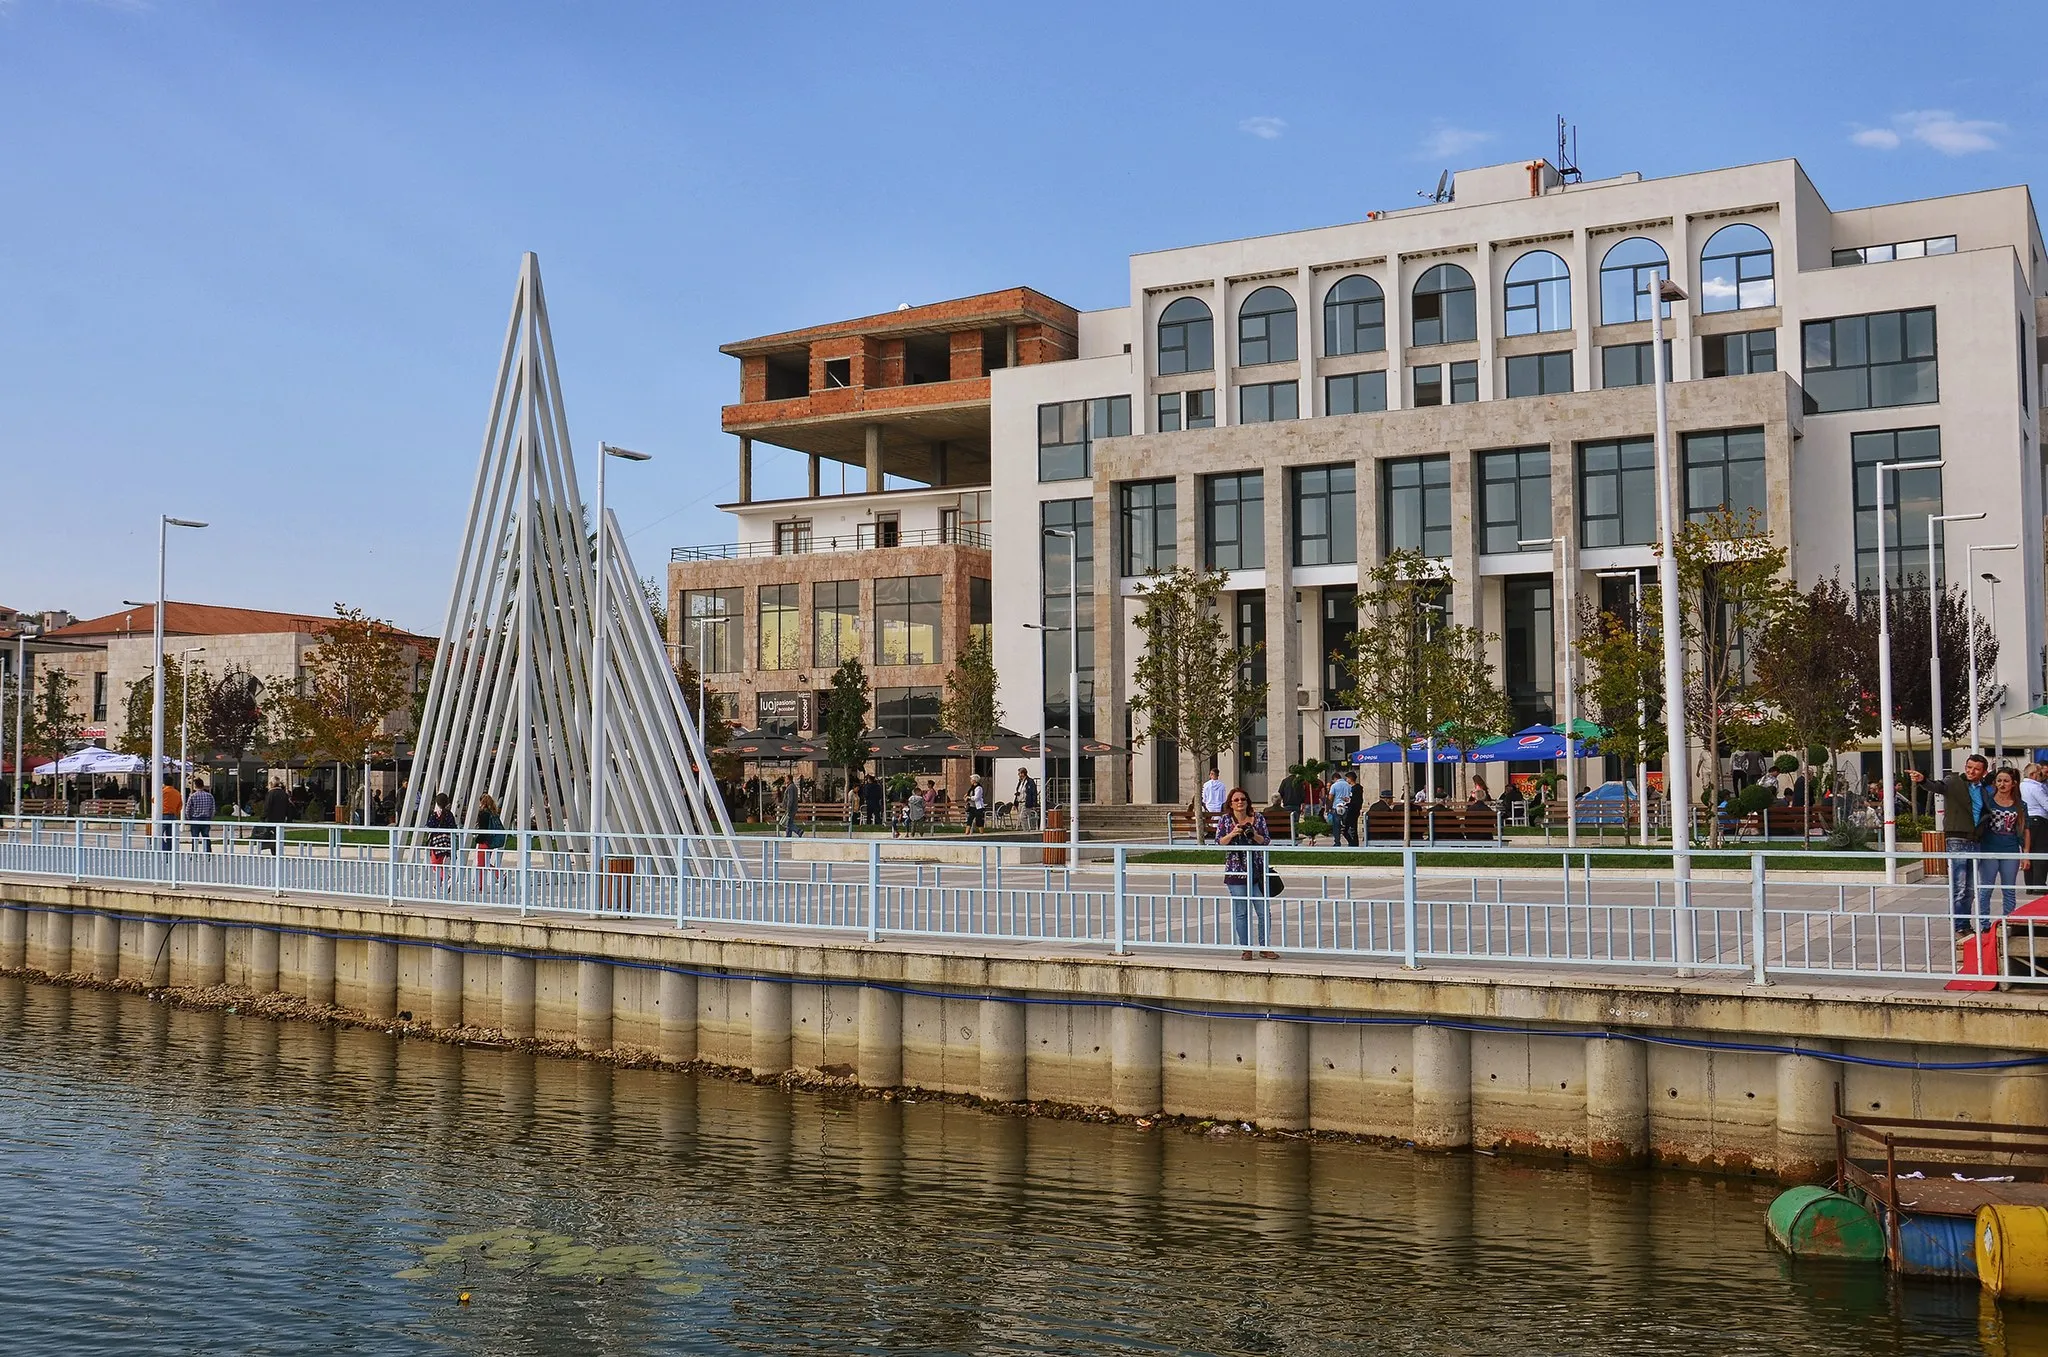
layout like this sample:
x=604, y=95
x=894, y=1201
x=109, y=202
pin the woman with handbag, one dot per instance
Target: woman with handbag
x=1242, y=832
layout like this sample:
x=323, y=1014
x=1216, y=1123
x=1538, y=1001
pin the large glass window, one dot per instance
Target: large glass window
x=1628, y=280
x=1618, y=493
x=1326, y=515
x=907, y=619
x=1340, y=620
x=1738, y=354
x=779, y=713
x=1187, y=340
x=1539, y=294
x=1528, y=650
x=720, y=652
x=907, y=711
x=1078, y=517
x=1146, y=509
x=835, y=622
x=1736, y=271
x=1355, y=393
x=1902, y=249
x=1265, y=402
x=1067, y=431
x=1429, y=384
x=1630, y=365
x=1724, y=470
x=1415, y=499
x=1266, y=327
x=778, y=627
x=1234, y=515
x=1514, y=498
x=1446, y=309
x=981, y=609
x=1909, y=497
x=1540, y=374
x=1863, y=362
x=1187, y=410
x=1354, y=317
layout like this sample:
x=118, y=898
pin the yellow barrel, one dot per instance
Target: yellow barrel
x=2012, y=1251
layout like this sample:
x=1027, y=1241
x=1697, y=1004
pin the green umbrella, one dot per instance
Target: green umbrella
x=1583, y=729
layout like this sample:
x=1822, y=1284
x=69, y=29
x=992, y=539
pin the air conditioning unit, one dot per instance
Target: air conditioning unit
x=1301, y=698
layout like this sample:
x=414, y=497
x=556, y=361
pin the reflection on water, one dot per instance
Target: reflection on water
x=177, y=1181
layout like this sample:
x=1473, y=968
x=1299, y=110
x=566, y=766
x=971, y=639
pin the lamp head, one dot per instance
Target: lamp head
x=625, y=454
x=1668, y=291
x=183, y=522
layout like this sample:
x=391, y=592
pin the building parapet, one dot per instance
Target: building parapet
x=865, y=540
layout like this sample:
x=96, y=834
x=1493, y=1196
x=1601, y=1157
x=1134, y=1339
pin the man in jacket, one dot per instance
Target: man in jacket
x=199, y=812
x=1962, y=805
x=277, y=810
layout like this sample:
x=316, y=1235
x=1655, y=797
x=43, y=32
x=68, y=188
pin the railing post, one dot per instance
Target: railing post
x=173, y=826
x=391, y=865
x=874, y=889
x=1756, y=919
x=277, y=860
x=525, y=865
x=1408, y=909
x=1118, y=949
x=78, y=842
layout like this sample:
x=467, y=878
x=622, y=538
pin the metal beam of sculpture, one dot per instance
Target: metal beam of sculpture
x=508, y=707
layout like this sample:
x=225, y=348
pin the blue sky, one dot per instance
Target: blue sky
x=256, y=259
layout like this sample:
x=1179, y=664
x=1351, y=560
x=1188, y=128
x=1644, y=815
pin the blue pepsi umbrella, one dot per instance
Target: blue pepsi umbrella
x=1535, y=743
x=1410, y=751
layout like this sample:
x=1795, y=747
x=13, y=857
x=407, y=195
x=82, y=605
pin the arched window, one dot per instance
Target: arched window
x=1445, y=310
x=1354, y=317
x=1735, y=270
x=1539, y=296
x=1628, y=279
x=1265, y=327
x=1186, y=337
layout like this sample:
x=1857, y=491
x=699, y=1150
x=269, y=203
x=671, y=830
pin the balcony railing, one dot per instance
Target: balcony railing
x=809, y=544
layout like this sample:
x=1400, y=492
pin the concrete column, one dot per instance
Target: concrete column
x=873, y=436
x=768, y=1005
x=1002, y=1051
x=380, y=979
x=209, y=955
x=1106, y=626
x=445, y=1002
x=1617, y=1101
x=106, y=946
x=746, y=469
x=1806, y=1110
x=1442, y=1061
x=1280, y=1088
x=1223, y=331
x=317, y=953
x=263, y=960
x=1283, y=633
x=880, y=1056
x=1464, y=560
x=813, y=476
x=515, y=996
x=2020, y=1096
x=13, y=938
x=56, y=943
x=593, y=1005
x=1134, y=1063
x=156, y=955
x=678, y=1000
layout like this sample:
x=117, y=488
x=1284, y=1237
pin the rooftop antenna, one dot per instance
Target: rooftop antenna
x=1568, y=161
x=1443, y=189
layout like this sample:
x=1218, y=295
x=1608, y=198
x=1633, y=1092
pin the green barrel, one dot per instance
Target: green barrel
x=1812, y=1222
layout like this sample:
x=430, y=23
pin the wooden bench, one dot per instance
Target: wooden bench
x=1789, y=822
x=1434, y=824
x=45, y=805
x=1180, y=825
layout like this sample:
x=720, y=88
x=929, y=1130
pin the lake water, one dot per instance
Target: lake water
x=175, y=1181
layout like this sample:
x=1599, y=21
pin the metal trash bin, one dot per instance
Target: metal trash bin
x=616, y=894
x=1055, y=831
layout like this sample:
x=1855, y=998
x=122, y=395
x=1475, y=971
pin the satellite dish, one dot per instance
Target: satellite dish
x=903, y=306
x=1443, y=186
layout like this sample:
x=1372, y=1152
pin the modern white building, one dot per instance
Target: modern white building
x=1462, y=377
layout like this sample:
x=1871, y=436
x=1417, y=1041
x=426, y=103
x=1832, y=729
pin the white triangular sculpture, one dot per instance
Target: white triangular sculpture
x=508, y=709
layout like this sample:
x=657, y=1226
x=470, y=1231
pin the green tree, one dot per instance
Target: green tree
x=355, y=680
x=1191, y=686
x=1624, y=689
x=1475, y=707
x=846, y=717
x=1811, y=663
x=135, y=732
x=969, y=708
x=230, y=722
x=52, y=725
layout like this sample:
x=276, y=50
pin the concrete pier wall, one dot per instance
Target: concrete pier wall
x=1578, y=1066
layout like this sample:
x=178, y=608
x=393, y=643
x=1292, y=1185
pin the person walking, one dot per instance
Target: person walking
x=1962, y=808
x=490, y=836
x=1354, y=809
x=1214, y=793
x=1341, y=793
x=199, y=813
x=1027, y=797
x=977, y=806
x=792, y=795
x=913, y=812
x=174, y=810
x=2034, y=791
x=871, y=800
x=441, y=839
x=2001, y=837
x=277, y=810
x=1242, y=830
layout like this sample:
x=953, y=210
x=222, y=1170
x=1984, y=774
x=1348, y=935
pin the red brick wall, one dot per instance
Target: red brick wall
x=965, y=355
x=1043, y=344
x=753, y=378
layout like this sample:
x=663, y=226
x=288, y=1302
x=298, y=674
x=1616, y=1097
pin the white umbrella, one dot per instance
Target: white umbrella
x=104, y=762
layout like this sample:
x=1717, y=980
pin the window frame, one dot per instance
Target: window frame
x=1143, y=508
x=786, y=636
x=837, y=653
x=1191, y=336
x=1636, y=270
x=1373, y=382
x=1258, y=341
x=724, y=640
x=1548, y=368
x=1641, y=358
x=1444, y=315
x=1905, y=529
x=1241, y=497
x=921, y=601
x=1520, y=483
x=1542, y=303
x=1268, y=395
x=1715, y=460
x=1860, y=333
x=1712, y=346
x=1429, y=491
x=1736, y=255
x=1329, y=494
x=1634, y=492
x=1354, y=319
x=1085, y=414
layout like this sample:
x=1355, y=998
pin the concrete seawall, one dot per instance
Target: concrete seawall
x=1620, y=1071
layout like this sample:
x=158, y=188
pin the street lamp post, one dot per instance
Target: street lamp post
x=1635, y=578
x=1970, y=562
x=703, y=714
x=185, y=714
x=1997, y=712
x=21, y=695
x=1934, y=558
x=1571, y=775
x=164, y=524
x=1676, y=782
x=1884, y=673
x=599, y=673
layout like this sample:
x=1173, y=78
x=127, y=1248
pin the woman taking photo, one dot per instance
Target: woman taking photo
x=1243, y=830
x=2001, y=838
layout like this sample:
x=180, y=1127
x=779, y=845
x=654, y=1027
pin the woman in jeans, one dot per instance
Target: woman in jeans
x=1241, y=830
x=2001, y=837
x=2034, y=791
